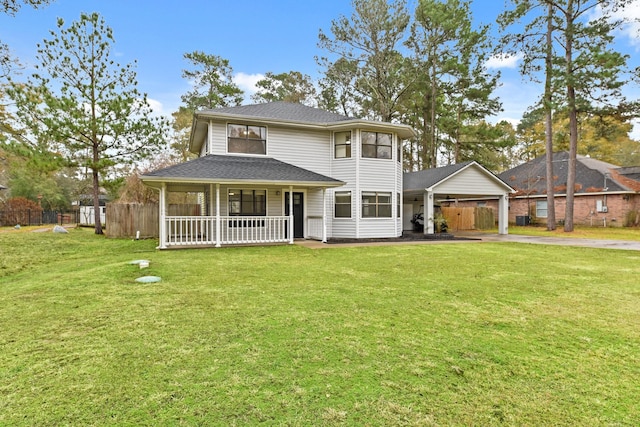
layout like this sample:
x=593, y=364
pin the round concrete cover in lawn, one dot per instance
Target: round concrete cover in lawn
x=148, y=279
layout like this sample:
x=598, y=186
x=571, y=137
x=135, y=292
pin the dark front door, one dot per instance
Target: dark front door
x=298, y=213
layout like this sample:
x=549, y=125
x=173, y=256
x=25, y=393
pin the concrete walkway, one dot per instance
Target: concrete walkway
x=484, y=237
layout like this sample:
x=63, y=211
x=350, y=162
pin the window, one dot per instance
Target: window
x=343, y=204
x=376, y=145
x=247, y=139
x=376, y=205
x=399, y=150
x=342, y=141
x=398, y=204
x=541, y=209
x=247, y=202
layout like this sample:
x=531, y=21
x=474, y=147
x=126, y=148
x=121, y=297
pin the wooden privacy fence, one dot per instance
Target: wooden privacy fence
x=126, y=219
x=468, y=218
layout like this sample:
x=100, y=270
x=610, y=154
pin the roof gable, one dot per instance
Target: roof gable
x=468, y=178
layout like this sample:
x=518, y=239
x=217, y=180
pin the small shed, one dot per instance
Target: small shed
x=468, y=180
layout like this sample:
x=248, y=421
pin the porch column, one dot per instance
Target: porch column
x=291, y=214
x=324, y=215
x=428, y=212
x=218, y=240
x=163, y=214
x=503, y=214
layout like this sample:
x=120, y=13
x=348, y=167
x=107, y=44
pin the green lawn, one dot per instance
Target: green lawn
x=453, y=334
x=580, y=232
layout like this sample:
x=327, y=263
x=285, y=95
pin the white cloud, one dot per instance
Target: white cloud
x=503, y=61
x=631, y=14
x=247, y=82
x=156, y=106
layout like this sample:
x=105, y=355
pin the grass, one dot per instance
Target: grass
x=465, y=334
x=580, y=232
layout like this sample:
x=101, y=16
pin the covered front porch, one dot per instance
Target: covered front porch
x=240, y=201
x=216, y=227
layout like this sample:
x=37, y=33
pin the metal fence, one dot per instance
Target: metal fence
x=24, y=217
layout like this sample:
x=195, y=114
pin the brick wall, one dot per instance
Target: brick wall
x=584, y=209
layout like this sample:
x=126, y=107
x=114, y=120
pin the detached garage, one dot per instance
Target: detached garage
x=424, y=190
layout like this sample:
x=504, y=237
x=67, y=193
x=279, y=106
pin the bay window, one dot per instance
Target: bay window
x=376, y=145
x=342, y=143
x=376, y=205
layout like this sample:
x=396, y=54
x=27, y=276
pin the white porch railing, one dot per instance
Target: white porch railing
x=190, y=230
x=314, y=227
x=234, y=230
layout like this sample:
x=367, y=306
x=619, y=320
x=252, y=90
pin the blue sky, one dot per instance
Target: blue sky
x=256, y=36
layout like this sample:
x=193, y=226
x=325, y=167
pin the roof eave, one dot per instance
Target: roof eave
x=403, y=131
x=155, y=182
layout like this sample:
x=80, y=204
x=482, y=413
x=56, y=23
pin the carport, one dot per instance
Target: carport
x=468, y=180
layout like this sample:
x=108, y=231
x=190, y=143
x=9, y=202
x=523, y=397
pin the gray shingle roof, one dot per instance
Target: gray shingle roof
x=420, y=180
x=280, y=110
x=530, y=178
x=218, y=168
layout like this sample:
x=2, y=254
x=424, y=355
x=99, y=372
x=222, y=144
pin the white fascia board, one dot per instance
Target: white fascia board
x=404, y=131
x=154, y=181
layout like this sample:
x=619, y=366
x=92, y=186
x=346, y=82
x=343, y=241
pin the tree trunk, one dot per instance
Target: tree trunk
x=548, y=99
x=96, y=188
x=573, y=118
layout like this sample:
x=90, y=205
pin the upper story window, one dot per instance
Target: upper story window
x=246, y=139
x=376, y=145
x=342, y=142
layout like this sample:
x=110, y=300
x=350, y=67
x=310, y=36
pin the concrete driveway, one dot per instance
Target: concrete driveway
x=568, y=241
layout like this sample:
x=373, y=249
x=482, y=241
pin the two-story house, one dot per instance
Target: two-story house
x=273, y=172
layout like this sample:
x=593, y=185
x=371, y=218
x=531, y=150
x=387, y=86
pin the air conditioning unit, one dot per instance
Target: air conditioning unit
x=605, y=209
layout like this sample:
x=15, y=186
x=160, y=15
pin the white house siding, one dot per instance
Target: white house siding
x=344, y=170
x=313, y=202
x=310, y=150
x=399, y=226
x=218, y=138
x=382, y=176
x=470, y=181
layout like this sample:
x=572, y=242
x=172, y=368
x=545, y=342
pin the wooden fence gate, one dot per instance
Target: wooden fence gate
x=468, y=218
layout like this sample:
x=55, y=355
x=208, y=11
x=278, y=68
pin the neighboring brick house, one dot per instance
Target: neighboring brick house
x=605, y=194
